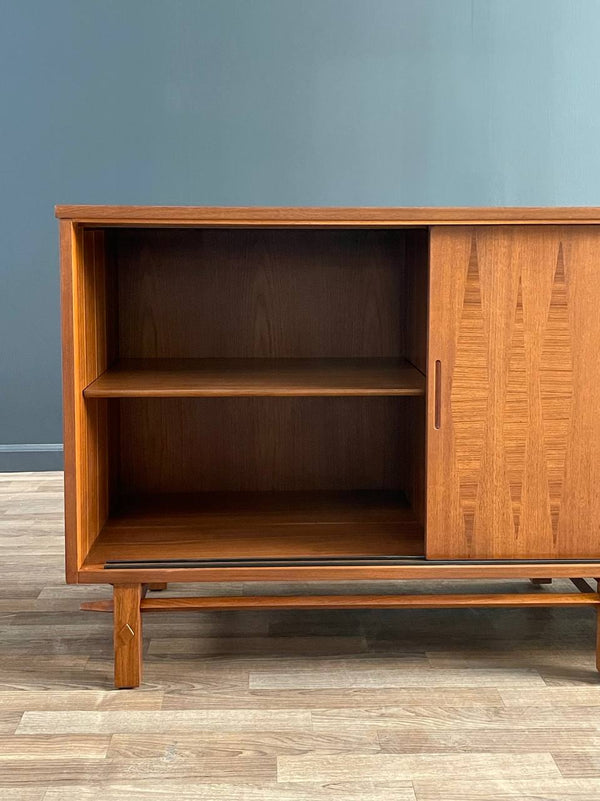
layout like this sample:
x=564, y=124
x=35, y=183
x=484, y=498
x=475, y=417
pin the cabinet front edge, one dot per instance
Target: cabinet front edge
x=326, y=216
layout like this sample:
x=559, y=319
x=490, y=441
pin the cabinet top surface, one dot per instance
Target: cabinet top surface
x=326, y=216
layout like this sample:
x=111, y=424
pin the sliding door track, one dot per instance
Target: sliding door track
x=320, y=561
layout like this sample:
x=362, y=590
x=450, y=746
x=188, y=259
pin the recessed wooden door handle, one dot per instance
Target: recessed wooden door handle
x=437, y=396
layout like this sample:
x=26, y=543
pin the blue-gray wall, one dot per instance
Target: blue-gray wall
x=270, y=102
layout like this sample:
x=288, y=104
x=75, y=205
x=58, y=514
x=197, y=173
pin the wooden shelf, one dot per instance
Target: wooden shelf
x=259, y=525
x=181, y=378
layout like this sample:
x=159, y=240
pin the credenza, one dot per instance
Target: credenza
x=325, y=394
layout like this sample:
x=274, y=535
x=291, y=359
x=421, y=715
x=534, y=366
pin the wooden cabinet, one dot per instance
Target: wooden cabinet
x=328, y=394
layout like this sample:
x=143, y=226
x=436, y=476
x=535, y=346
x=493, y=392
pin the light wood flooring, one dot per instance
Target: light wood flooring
x=403, y=705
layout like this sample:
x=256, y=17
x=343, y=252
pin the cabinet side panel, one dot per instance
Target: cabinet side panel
x=70, y=438
x=513, y=424
x=85, y=354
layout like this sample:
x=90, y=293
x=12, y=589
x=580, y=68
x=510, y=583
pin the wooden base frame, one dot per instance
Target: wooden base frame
x=130, y=601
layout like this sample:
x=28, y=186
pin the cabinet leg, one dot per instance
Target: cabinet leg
x=127, y=621
x=157, y=587
x=541, y=581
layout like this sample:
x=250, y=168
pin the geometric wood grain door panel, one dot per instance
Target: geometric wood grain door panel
x=513, y=438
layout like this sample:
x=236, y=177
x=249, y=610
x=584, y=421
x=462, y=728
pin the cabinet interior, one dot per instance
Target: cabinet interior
x=256, y=393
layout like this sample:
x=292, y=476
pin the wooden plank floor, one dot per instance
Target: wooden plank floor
x=361, y=705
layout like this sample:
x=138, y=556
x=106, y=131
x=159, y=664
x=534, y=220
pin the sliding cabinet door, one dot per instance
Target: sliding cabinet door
x=514, y=393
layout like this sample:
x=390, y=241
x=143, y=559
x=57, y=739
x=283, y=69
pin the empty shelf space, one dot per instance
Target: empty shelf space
x=267, y=525
x=212, y=377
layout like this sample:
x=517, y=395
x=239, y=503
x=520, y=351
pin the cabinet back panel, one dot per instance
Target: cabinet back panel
x=265, y=444
x=262, y=292
x=417, y=297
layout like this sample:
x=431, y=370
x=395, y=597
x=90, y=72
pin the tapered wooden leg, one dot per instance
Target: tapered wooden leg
x=157, y=587
x=127, y=619
x=541, y=581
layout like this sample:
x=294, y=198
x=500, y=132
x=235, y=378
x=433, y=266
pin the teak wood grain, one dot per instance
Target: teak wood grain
x=439, y=601
x=86, y=354
x=514, y=324
x=420, y=570
x=217, y=355
x=325, y=216
x=196, y=378
x=246, y=525
x=416, y=293
x=254, y=444
x=127, y=634
x=261, y=293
